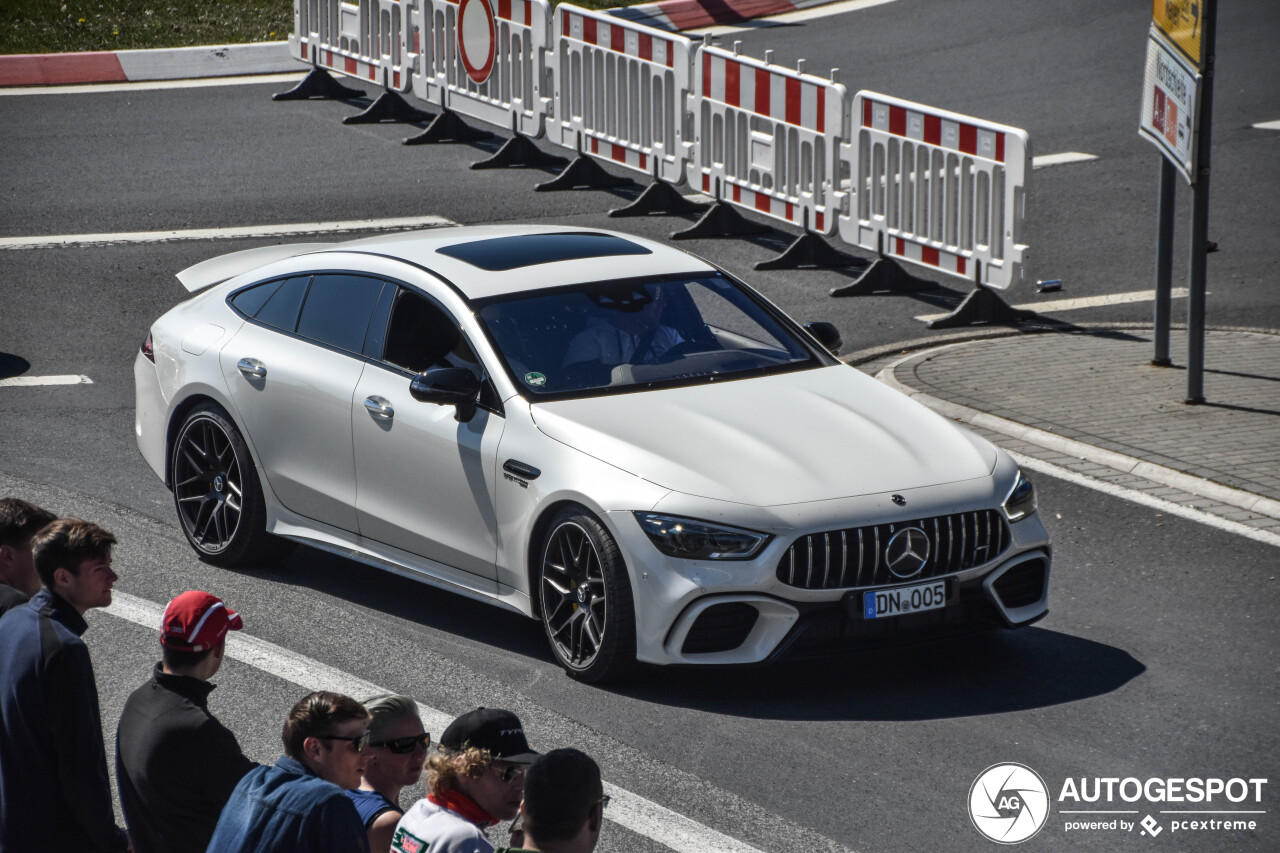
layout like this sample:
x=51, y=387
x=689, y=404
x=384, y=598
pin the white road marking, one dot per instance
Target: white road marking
x=1059, y=159
x=1082, y=302
x=64, y=379
x=199, y=83
x=1145, y=499
x=63, y=241
x=798, y=16
x=1268, y=125
x=636, y=813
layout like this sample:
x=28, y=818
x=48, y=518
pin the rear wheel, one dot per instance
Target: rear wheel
x=585, y=597
x=217, y=493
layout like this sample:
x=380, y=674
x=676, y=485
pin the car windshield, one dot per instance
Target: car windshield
x=631, y=334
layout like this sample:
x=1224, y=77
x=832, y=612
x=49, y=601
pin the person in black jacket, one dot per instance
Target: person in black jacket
x=19, y=522
x=54, y=789
x=176, y=765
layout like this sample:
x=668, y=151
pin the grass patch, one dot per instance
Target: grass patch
x=53, y=26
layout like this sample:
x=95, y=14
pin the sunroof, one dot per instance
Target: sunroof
x=525, y=250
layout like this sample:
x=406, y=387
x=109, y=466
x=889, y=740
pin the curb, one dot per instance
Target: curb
x=678, y=15
x=129, y=66
x=1120, y=462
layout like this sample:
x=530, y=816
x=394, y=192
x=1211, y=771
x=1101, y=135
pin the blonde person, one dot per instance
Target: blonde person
x=397, y=751
x=474, y=780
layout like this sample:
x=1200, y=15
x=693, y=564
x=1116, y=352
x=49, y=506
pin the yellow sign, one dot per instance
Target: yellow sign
x=1182, y=21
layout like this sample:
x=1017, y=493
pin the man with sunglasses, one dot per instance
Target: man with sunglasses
x=398, y=748
x=474, y=781
x=300, y=804
x=176, y=765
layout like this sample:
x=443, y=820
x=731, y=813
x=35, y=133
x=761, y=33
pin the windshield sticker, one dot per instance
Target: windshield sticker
x=537, y=380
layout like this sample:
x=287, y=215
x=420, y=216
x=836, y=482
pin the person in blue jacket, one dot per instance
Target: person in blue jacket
x=54, y=789
x=300, y=804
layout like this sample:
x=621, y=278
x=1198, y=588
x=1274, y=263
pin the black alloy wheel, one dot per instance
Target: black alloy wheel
x=585, y=597
x=217, y=493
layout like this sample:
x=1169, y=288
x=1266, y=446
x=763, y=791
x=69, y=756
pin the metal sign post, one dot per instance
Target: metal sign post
x=1177, y=117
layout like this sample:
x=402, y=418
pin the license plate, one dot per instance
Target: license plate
x=884, y=603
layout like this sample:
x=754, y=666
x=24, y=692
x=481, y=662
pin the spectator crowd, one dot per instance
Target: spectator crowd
x=184, y=782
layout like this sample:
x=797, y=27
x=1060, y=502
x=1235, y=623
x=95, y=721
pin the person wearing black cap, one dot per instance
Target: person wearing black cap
x=563, y=804
x=176, y=765
x=474, y=780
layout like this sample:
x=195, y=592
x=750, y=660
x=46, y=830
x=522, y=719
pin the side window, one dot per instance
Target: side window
x=250, y=301
x=337, y=310
x=280, y=311
x=422, y=335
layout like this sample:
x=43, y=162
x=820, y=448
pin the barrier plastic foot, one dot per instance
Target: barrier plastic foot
x=983, y=305
x=318, y=84
x=389, y=106
x=659, y=199
x=885, y=275
x=720, y=220
x=582, y=174
x=810, y=251
x=447, y=127
x=519, y=152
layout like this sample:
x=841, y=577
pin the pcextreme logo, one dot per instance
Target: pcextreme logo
x=1008, y=803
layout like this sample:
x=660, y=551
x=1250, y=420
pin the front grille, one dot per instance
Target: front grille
x=855, y=557
x=1021, y=585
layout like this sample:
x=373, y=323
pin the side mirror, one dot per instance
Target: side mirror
x=448, y=386
x=827, y=334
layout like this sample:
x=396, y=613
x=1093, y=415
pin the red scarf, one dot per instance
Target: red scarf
x=455, y=801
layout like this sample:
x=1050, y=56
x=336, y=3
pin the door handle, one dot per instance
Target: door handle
x=251, y=367
x=379, y=407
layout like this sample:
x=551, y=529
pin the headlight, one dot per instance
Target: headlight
x=1022, y=499
x=699, y=540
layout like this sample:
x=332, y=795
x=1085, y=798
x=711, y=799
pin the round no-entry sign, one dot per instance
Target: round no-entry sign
x=477, y=38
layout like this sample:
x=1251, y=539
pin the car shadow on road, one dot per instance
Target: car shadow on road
x=413, y=601
x=992, y=673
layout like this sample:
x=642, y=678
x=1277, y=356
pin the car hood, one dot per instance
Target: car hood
x=812, y=435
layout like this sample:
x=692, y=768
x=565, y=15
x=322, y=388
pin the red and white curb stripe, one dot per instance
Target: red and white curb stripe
x=123, y=66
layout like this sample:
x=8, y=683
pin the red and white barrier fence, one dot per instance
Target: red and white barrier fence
x=486, y=59
x=937, y=188
x=370, y=40
x=768, y=138
x=620, y=92
x=925, y=185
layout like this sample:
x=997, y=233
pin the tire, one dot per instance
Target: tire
x=217, y=494
x=585, y=599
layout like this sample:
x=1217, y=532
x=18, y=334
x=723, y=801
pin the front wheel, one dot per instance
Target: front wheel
x=217, y=493
x=585, y=597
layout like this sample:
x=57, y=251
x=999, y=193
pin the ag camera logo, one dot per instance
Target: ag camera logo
x=1008, y=803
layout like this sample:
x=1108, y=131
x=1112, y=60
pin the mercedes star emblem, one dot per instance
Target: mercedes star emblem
x=907, y=552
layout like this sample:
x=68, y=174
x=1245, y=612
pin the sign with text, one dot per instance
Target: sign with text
x=1170, y=97
x=1182, y=22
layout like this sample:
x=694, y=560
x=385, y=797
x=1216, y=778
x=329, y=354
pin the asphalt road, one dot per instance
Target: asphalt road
x=1158, y=658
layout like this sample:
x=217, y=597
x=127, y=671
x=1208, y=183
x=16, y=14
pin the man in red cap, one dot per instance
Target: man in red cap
x=176, y=765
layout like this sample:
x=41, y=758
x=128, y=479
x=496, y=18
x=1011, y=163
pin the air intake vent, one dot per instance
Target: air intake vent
x=1021, y=585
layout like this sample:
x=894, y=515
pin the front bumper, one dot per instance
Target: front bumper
x=726, y=613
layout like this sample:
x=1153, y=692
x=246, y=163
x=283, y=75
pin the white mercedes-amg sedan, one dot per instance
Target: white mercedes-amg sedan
x=592, y=429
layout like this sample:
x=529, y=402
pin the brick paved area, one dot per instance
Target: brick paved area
x=1098, y=387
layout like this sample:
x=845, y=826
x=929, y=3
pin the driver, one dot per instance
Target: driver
x=617, y=335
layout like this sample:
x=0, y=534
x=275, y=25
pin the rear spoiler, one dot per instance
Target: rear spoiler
x=219, y=269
